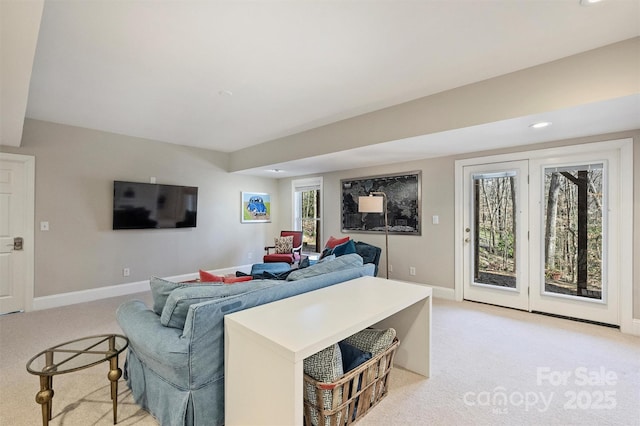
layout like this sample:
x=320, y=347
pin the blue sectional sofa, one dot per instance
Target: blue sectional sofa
x=175, y=360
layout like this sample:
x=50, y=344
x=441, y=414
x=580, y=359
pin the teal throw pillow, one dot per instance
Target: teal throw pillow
x=344, y=248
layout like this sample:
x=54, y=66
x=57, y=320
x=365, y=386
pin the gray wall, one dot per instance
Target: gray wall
x=75, y=170
x=432, y=253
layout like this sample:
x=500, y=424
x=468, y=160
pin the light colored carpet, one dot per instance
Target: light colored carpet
x=490, y=366
x=81, y=398
x=482, y=353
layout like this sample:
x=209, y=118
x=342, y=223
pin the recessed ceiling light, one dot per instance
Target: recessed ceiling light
x=540, y=125
x=275, y=170
x=589, y=2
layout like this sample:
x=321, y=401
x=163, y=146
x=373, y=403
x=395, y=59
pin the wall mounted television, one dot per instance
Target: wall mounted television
x=153, y=206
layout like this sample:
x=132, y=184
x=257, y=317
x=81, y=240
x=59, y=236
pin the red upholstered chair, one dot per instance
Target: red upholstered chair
x=291, y=257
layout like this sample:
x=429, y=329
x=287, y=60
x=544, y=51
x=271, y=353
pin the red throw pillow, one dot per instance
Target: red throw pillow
x=332, y=242
x=207, y=277
x=233, y=280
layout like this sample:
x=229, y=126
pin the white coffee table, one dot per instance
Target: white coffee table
x=265, y=346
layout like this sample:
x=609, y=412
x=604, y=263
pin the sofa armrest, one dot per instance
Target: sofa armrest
x=148, y=337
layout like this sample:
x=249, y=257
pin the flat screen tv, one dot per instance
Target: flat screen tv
x=152, y=206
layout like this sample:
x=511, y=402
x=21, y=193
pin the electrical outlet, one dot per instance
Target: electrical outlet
x=250, y=255
x=412, y=270
x=390, y=268
x=126, y=272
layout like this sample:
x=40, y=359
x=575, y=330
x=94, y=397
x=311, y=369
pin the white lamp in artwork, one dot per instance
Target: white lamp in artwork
x=376, y=202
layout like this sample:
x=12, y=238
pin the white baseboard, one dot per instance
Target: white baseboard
x=73, y=297
x=437, y=291
x=631, y=327
x=442, y=292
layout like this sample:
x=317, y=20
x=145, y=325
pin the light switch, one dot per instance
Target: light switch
x=435, y=220
x=44, y=226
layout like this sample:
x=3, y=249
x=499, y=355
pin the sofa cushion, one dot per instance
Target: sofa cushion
x=372, y=340
x=160, y=290
x=339, y=263
x=327, y=258
x=177, y=306
x=369, y=253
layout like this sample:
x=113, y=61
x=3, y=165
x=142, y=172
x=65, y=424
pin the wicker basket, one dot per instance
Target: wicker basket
x=353, y=394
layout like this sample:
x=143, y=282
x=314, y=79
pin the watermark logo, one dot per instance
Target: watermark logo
x=578, y=389
x=499, y=399
x=592, y=387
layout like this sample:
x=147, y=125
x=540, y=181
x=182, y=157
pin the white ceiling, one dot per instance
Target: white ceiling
x=161, y=69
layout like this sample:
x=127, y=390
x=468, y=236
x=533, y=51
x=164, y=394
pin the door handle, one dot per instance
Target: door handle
x=18, y=243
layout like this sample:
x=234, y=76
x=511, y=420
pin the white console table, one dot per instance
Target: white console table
x=266, y=345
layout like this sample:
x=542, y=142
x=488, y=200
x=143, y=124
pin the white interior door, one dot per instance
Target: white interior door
x=495, y=234
x=575, y=217
x=16, y=231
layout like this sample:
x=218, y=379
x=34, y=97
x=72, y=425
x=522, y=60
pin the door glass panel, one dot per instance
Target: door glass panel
x=494, y=230
x=310, y=220
x=574, y=230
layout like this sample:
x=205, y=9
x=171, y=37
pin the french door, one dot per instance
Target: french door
x=495, y=234
x=307, y=212
x=574, y=232
x=541, y=234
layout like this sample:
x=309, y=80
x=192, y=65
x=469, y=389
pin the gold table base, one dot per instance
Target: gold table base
x=75, y=362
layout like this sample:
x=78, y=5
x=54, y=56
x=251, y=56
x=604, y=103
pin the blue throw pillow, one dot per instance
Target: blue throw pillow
x=352, y=357
x=344, y=248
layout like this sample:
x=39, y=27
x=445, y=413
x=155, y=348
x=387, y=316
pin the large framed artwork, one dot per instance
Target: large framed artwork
x=256, y=207
x=403, y=191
